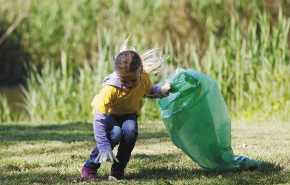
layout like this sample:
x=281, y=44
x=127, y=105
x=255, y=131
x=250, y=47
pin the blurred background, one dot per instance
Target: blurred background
x=54, y=54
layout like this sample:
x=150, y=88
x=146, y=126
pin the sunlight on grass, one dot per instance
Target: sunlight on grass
x=155, y=160
x=243, y=45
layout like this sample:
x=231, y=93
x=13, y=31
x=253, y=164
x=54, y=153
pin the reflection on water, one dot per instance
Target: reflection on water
x=14, y=96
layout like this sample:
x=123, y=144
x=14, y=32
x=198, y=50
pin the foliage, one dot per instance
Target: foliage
x=243, y=45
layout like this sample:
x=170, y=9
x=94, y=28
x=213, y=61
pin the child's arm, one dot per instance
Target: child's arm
x=100, y=131
x=160, y=91
x=103, y=144
x=155, y=92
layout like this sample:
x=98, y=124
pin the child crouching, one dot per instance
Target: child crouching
x=117, y=107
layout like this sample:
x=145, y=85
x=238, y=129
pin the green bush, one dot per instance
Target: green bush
x=244, y=45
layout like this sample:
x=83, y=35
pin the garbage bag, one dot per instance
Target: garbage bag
x=198, y=121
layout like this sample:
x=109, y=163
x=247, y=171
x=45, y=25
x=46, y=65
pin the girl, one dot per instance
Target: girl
x=117, y=107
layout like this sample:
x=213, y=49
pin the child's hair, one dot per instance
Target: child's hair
x=130, y=61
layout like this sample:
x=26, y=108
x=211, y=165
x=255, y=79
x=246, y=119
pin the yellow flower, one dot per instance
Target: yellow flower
x=247, y=116
x=275, y=107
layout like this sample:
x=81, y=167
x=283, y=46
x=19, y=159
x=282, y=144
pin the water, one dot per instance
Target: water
x=14, y=96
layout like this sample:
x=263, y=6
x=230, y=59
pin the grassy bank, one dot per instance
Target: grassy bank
x=54, y=153
x=244, y=45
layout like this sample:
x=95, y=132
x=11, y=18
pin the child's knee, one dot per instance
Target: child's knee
x=116, y=135
x=130, y=129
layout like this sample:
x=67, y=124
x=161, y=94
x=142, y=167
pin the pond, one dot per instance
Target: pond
x=14, y=96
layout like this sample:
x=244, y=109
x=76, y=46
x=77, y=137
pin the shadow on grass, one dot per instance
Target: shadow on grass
x=267, y=167
x=177, y=172
x=162, y=175
x=38, y=178
x=52, y=132
x=163, y=168
x=68, y=132
x=147, y=133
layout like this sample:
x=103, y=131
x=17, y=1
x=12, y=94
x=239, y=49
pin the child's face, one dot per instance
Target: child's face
x=130, y=80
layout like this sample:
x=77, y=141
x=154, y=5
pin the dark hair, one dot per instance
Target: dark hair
x=128, y=61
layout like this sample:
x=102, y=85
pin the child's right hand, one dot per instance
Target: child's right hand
x=103, y=156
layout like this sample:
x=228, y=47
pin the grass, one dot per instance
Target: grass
x=54, y=153
x=242, y=44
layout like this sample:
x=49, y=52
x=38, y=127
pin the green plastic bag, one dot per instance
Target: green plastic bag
x=198, y=121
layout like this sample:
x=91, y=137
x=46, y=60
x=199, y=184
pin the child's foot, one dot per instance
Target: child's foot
x=119, y=175
x=89, y=173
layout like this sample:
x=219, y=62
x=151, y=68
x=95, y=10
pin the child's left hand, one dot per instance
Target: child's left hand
x=103, y=156
x=166, y=87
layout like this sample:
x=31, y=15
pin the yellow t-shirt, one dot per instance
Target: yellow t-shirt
x=119, y=101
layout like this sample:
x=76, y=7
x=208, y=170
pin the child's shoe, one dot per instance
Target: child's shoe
x=119, y=175
x=89, y=173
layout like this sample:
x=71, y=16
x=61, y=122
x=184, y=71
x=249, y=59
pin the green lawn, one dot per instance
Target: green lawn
x=54, y=153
